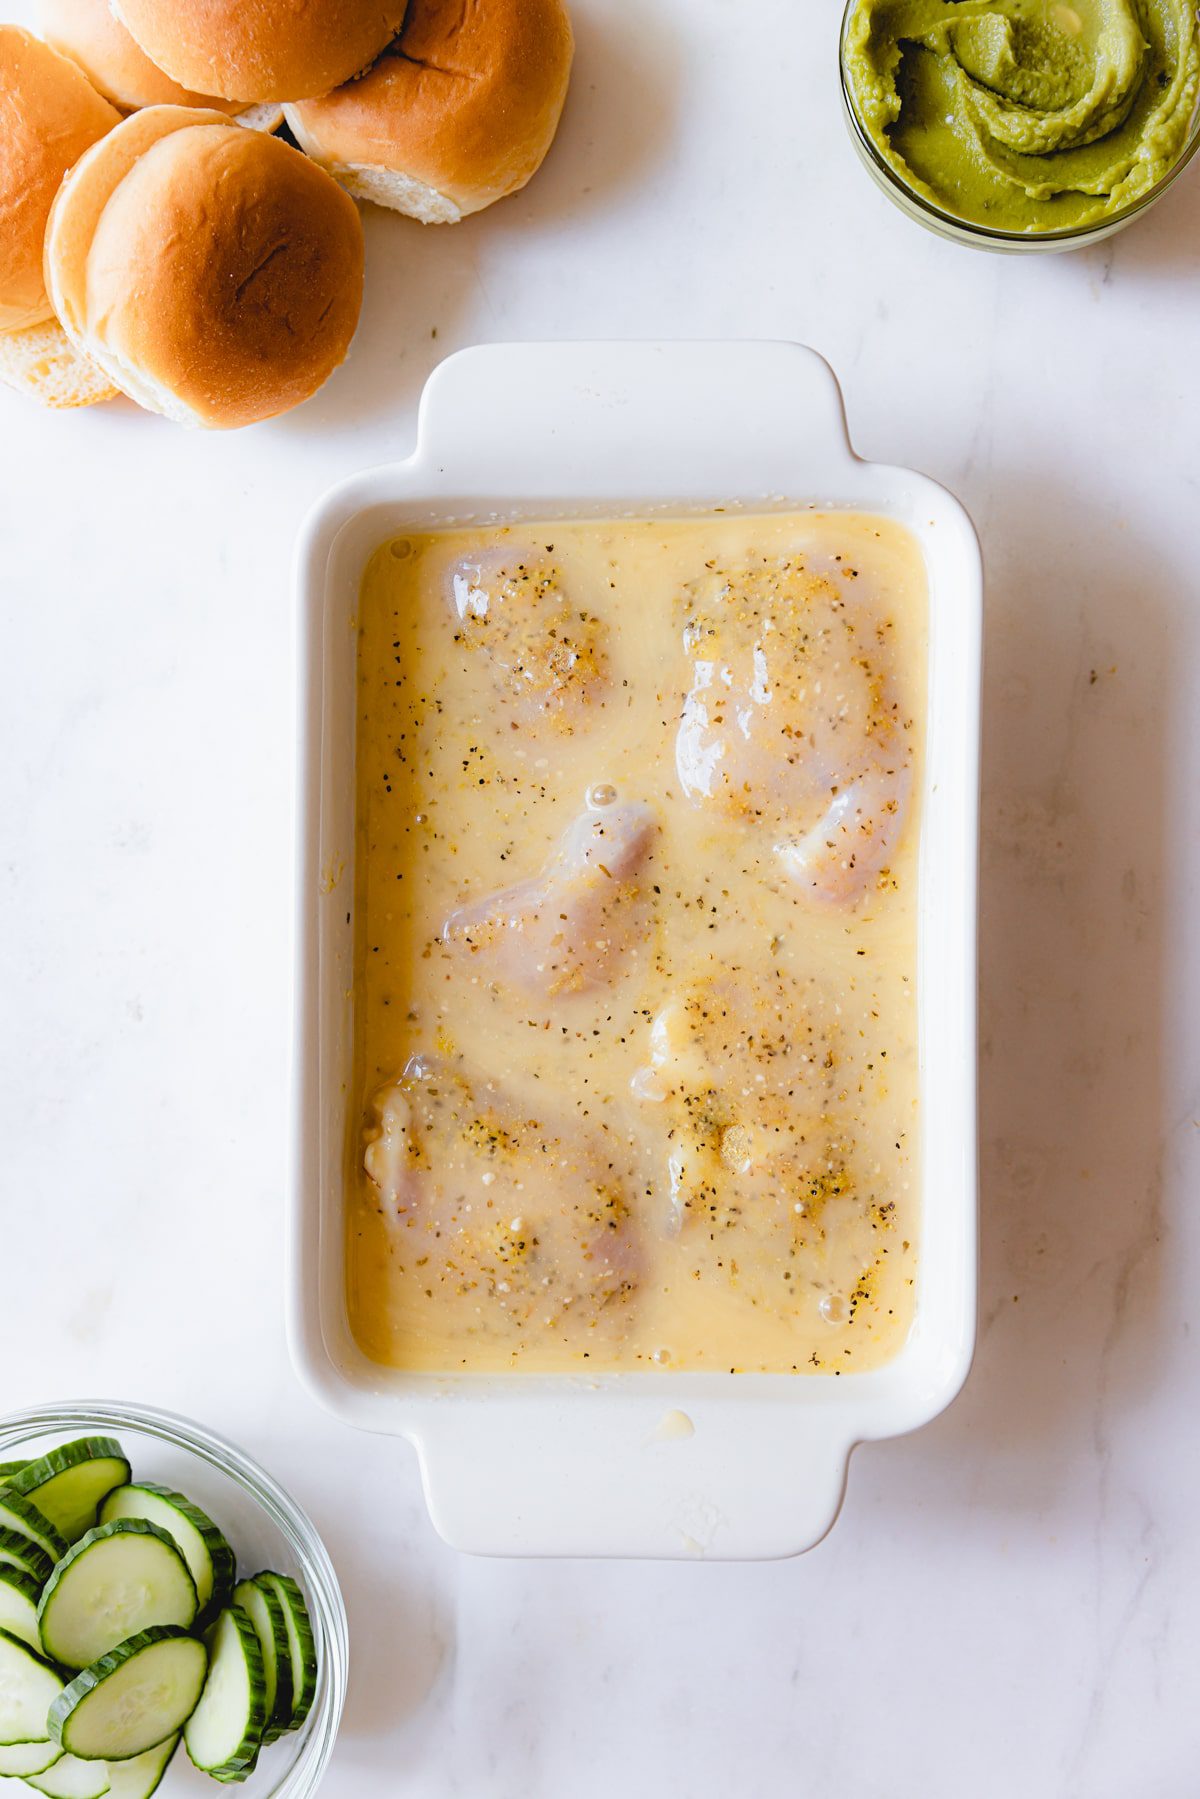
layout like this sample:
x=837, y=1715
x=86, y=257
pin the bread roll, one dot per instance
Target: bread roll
x=255, y=50
x=458, y=112
x=80, y=202
x=41, y=361
x=49, y=115
x=215, y=274
x=90, y=34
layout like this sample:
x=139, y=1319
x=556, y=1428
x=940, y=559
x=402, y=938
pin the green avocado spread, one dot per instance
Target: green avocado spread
x=1025, y=115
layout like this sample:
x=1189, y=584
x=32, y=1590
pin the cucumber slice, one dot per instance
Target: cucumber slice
x=264, y=1608
x=119, y=1579
x=20, y=1759
x=302, y=1651
x=67, y=1484
x=138, y=1777
x=8, y=1469
x=28, y=1684
x=17, y=1514
x=224, y=1733
x=204, y=1549
x=18, y=1607
x=69, y=1778
x=19, y=1552
x=132, y=1698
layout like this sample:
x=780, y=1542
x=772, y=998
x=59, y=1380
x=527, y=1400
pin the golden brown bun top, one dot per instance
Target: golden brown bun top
x=49, y=114
x=466, y=100
x=87, y=31
x=252, y=50
x=87, y=190
x=224, y=272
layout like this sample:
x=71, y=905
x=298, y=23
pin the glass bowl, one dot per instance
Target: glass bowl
x=266, y=1529
x=985, y=237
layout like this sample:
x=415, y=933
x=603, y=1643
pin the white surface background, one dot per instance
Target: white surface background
x=1008, y=1602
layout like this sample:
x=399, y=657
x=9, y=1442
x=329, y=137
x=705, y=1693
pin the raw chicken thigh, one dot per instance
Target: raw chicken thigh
x=506, y=1219
x=566, y=929
x=791, y=720
x=746, y=1066
x=546, y=653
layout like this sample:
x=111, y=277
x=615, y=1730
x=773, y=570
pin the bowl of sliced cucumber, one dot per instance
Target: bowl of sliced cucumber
x=168, y=1615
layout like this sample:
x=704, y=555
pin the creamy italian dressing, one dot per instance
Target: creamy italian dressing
x=636, y=1066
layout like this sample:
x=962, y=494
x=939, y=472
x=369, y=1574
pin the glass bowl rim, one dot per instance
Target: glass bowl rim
x=322, y=1590
x=952, y=224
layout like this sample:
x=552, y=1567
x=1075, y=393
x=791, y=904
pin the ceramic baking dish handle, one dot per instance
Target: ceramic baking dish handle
x=709, y=1480
x=558, y=419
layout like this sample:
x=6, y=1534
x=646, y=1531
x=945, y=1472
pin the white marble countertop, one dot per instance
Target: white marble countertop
x=1007, y=1603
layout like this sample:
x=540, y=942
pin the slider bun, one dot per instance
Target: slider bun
x=457, y=113
x=255, y=50
x=49, y=115
x=41, y=361
x=215, y=274
x=81, y=201
x=88, y=32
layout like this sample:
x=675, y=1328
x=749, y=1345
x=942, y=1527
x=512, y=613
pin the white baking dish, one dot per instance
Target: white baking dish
x=559, y=1465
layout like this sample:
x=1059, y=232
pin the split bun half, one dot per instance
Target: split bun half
x=90, y=33
x=458, y=112
x=253, y=50
x=51, y=114
x=214, y=274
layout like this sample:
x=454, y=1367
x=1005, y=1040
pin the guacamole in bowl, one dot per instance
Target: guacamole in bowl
x=1024, y=116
